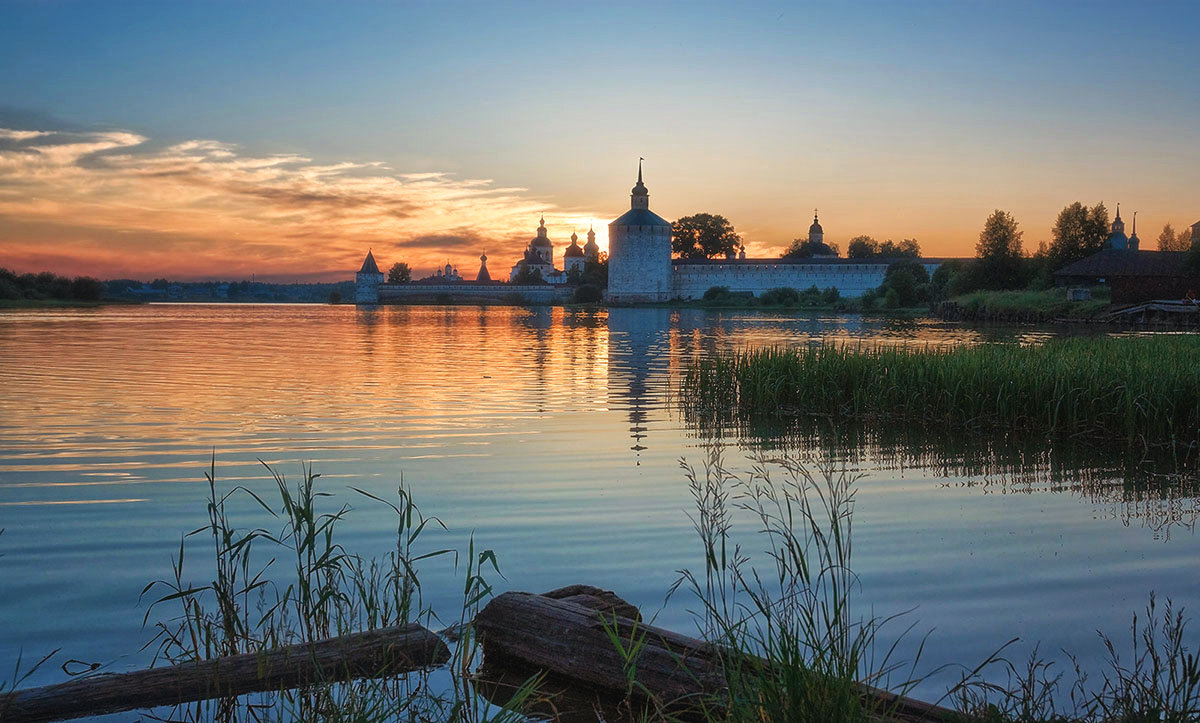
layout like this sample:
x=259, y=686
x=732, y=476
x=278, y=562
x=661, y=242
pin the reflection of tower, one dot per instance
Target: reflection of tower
x=637, y=340
x=539, y=321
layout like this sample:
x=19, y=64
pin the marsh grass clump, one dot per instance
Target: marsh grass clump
x=794, y=647
x=298, y=584
x=1144, y=391
x=1157, y=680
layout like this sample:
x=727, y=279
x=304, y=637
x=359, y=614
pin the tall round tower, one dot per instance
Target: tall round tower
x=639, y=252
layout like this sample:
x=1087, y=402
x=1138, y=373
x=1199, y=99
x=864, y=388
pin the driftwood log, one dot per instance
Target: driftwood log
x=374, y=653
x=568, y=635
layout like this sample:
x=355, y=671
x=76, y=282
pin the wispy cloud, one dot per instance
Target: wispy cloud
x=109, y=204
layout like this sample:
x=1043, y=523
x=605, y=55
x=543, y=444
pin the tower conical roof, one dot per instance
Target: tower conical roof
x=369, y=266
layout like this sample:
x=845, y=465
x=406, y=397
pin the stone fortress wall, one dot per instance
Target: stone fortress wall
x=851, y=277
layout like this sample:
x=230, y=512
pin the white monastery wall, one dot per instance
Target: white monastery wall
x=691, y=280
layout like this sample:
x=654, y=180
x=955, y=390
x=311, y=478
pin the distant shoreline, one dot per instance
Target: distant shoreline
x=62, y=303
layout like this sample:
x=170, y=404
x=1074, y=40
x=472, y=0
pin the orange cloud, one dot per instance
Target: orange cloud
x=106, y=204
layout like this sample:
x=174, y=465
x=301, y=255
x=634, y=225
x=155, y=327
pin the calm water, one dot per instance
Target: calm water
x=550, y=435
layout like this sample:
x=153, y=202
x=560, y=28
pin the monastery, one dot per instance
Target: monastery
x=641, y=269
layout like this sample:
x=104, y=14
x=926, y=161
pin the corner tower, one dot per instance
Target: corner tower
x=367, y=281
x=639, y=252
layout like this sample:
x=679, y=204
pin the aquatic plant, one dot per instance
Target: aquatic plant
x=251, y=605
x=1143, y=390
x=795, y=648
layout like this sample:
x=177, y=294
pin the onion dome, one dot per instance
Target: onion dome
x=573, y=250
x=541, y=239
x=816, y=226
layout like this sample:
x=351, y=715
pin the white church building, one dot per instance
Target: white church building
x=641, y=270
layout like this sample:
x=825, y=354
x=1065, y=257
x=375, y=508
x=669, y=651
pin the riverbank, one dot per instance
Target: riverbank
x=61, y=303
x=1023, y=306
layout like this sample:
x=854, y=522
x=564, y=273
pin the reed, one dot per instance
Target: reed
x=1144, y=390
x=296, y=583
x=797, y=649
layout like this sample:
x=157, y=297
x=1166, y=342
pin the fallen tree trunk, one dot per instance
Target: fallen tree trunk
x=573, y=641
x=374, y=653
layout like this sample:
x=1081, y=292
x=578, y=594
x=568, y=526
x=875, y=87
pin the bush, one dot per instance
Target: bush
x=716, y=293
x=588, y=294
x=782, y=296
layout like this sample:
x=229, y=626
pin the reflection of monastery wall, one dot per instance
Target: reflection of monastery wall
x=851, y=277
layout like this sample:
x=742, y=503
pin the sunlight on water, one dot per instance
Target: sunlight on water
x=551, y=435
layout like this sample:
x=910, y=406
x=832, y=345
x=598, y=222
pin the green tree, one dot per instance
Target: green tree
x=906, y=283
x=999, y=264
x=1078, y=232
x=1168, y=240
x=862, y=247
x=802, y=248
x=400, y=273
x=704, y=236
x=906, y=249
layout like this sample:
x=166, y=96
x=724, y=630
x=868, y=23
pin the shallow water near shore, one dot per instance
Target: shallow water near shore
x=554, y=437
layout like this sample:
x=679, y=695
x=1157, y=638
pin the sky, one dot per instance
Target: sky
x=282, y=140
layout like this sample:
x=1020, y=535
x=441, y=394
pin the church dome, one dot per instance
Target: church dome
x=573, y=250
x=815, y=227
x=541, y=239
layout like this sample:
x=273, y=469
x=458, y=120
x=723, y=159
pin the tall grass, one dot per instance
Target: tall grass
x=298, y=584
x=1142, y=390
x=796, y=650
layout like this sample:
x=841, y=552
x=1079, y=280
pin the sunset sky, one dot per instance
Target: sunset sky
x=222, y=139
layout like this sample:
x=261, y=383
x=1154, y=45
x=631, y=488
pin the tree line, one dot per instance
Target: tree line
x=49, y=286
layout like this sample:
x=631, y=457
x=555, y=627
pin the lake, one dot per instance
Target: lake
x=551, y=435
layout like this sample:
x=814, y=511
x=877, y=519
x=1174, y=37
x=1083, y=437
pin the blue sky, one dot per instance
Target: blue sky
x=897, y=119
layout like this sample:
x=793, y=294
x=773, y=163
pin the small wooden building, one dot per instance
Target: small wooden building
x=1133, y=276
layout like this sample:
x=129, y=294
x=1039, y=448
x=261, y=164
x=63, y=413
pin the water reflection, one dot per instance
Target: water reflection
x=525, y=426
